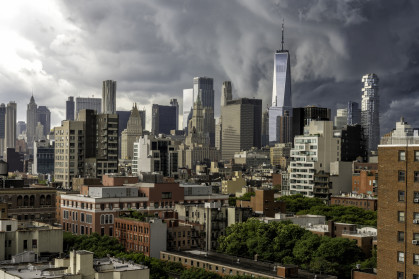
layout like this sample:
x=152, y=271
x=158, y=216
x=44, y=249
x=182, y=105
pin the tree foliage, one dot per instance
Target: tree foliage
x=287, y=243
x=296, y=203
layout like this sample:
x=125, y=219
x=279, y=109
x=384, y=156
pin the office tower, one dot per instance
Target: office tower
x=10, y=126
x=44, y=117
x=398, y=208
x=109, y=97
x=131, y=134
x=265, y=128
x=203, y=88
x=242, y=123
x=43, y=158
x=163, y=119
x=341, y=118
x=69, y=108
x=31, y=120
x=155, y=155
x=303, y=116
x=226, y=92
x=88, y=103
x=2, y=126
x=174, y=103
x=370, y=115
x=20, y=128
x=281, y=92
x=188, y=101
x=313, y=152
x=354, y=113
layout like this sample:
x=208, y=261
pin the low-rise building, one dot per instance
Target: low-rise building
x=234, y=185
x=263, y=202
x=40, y=238
x=362, y=201
x=79, y=265
x=148, y=236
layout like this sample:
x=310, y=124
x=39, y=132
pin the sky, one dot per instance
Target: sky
x=153, y=49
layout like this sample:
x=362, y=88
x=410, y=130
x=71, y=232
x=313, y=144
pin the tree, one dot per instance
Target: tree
x=199, y=273
x=296, y=203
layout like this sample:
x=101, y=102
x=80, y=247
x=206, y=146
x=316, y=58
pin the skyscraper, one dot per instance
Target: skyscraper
x=31, y=121
x=242, y=123
x=109, y=97
x=188, y=101
x=174, y=103
x=131, y=134
x=204, y=88
x=88, y=103
x=354, y=113
x=281, y=92
x=69, y=108
x=226, y=92
x=10, y=127
x=163, y=119
x=370, y=119
x=44, y=117
x=2, y=126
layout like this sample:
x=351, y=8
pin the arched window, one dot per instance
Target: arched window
x=19, y=201
x=48, y=200
x=32, y=200
x=25, y=201
x=42, y=200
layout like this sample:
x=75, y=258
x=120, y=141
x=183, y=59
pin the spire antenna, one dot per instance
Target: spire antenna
x=282, y=42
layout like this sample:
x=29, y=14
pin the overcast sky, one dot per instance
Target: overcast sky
x=153, y=49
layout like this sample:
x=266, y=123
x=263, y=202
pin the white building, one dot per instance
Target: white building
x=312, y=152
x=109, y=97
x=370, y=115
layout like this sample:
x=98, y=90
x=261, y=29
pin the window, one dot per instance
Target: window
x=416, y=177
x=401, y=216
x=416, y=236
x=25, y=244
x=34, y=243
x=401, y=195
x=8, y=228
x=402, y=175
x=416, y=155
x=415, y=276
x=400, y=275
x=400, y=257
x=416, y=259
x=402, y=155
x=400, y=236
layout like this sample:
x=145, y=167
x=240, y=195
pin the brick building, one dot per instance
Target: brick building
x=148, y=236
x=365, y=182
x=361, y=201
x=263, y=203
x=30, y=203
x=398, y=209
x=118, y=180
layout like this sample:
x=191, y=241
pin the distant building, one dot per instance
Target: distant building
x=44, y=117
x=131, y=134
x=174, y=103
x=43, y=158
x=361, y=201
x=109, y=97
x=163, y=119
x=31, y=120
x=69, y=108
x=303, y=116
x=10, y=126
x=370, y=111
x=188, y=101
x=354, y=113
x=88, y=103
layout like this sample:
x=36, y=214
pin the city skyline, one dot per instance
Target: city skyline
x=60, y=53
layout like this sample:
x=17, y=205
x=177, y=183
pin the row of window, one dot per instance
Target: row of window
x=401, y=197
x=134, y=228
x=85, y=218
x=402, y=176
x=402, y=155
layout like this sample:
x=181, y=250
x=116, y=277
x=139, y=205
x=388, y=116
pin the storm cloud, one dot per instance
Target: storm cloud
x=153, y=49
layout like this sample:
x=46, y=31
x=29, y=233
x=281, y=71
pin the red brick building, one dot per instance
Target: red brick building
x=364, y=202
x=116, y=180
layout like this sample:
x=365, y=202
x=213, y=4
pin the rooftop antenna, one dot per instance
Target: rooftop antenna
x=282, y=42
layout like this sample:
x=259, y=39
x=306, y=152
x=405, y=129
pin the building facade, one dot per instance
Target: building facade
x=109, y=97
x=370, y=111
x=69, y=108
x=88, y=103
x=131, y=134
x=163, y=119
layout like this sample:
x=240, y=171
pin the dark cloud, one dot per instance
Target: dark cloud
x=154, y=49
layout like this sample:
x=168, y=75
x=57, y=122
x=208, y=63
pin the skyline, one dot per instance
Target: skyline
x=153, y=50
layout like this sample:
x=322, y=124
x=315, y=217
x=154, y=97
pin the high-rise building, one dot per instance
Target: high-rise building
x=31, y=120
x=69, y=108
x=341, y=118
x=265, y=128
x=312, y=153
x=10, y=126
x=20, y=128
x=163, y=119
x=88, y=103
x=131, y=134
x=44, y=117
x=109, y=97
x=281, y=91
x=174, y=103
x=43, y=158
x=203, y=88
x=303, y=116
x=226, y=92
x=242, y=123
x=398, y=209
x=354, y=113
x=2, y=126
x=188, y=101
x=370, y=114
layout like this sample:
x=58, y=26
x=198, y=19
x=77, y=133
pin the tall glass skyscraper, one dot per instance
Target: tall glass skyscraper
x=281, y=93
x=370, y=115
